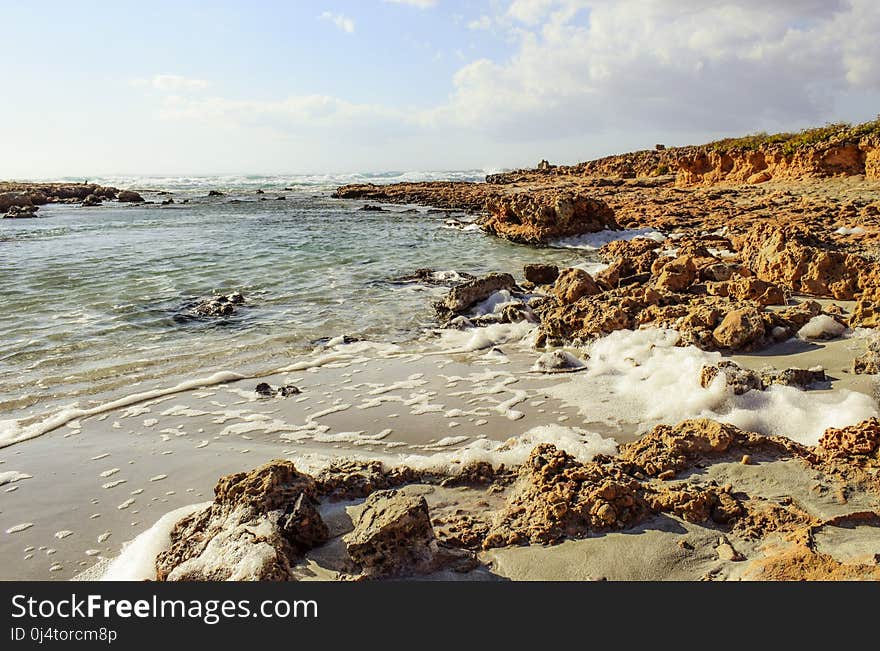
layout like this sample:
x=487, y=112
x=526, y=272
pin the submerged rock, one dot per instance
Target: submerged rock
x=266, y=390
x=216, y=306
x=21, y=212
x=259, y=525
x=371, y=208
x=215, y=193
x=471, y=292
x=91, y=200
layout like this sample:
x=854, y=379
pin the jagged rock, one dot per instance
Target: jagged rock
x=346, y=479
x=469, y=293
x=541, y=274
x=865, y=314
x=129, y=196
x=641, y=252
x=215, y=193
x=868, y=363
x=739, y=328
x=535, y=217
x=216, y=306
x=667, y=448
x=677, y=275
x=756, y=290
x=742, y=379
x=574, y=283
x=557, y=497
x=260, y=523
x=21, y=212
x=393, y=535
x=791, y=256
x=860, y=440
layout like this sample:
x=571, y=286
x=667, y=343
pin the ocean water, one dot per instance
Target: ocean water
x=95, y=298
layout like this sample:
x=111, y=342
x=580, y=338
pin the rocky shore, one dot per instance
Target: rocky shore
x=24, y=199
x=738, y=247
x=267, y=524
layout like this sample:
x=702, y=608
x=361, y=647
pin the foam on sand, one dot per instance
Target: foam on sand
x=137, y=562
x=466, y=341
x=821, y=326
x=637, y=379
x=593, y=241
x=15, y=431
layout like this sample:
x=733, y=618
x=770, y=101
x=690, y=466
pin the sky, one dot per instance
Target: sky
x=328, y=86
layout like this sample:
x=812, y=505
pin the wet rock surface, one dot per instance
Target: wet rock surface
x=467, y=294
x=259, y=524
x=263, y=523
x=219, y=306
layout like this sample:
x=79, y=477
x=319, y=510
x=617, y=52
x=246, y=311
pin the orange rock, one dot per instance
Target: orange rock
x=677, y=275
x=739, y=329
x=574, y=283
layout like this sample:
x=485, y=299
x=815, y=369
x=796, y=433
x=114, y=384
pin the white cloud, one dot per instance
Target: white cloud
x=341, y=21
x=584, y=67
x=170, y=83
x=421, y=4
x=483, y=22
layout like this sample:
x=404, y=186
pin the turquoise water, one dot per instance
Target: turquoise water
x=94, y=298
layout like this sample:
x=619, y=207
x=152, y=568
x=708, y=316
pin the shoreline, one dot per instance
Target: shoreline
x=614, y=410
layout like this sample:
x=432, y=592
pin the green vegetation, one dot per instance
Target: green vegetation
x=791, y=142
x=661, y=170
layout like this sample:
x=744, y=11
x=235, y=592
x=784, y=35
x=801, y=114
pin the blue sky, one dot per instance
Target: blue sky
x=318, y=86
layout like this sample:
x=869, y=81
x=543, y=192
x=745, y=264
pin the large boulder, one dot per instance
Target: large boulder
x=129, y=196
x=535, y=217
x=739, y=329
x=393, y=535
x=574, y=283
x=677, y=275
x=792, y=256
x=260, y=523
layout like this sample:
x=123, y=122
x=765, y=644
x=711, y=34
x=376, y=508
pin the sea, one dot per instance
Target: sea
x=97, y=301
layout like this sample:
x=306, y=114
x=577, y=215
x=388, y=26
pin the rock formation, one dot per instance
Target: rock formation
x=538, y=216
x=259, y=525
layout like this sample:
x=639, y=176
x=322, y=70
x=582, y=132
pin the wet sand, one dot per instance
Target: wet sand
x=119, y=472
x=107, y=478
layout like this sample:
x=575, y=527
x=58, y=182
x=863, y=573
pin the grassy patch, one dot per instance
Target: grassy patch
x=792, y=142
